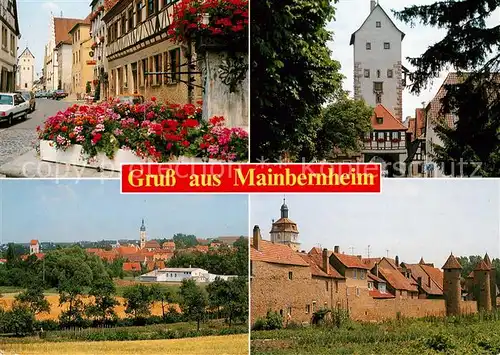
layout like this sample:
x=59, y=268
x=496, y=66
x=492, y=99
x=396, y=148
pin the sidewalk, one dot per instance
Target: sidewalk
x=29, y=165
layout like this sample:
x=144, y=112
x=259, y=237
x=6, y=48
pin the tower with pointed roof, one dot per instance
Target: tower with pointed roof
x=25, y=70
x=493, y=275
x=483, y=284
x=284, y=230
x=377, y=61
x=451, y=286
x=143, y=235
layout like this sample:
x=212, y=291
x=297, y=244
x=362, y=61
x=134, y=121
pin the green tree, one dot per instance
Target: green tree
x=34, y=299
x=296, y=76
x=138, y=301
x=183, y=241
x=103, y=290
x=344, y=123
x=20, y=320
x=229, y=298
x=161, y=294
x=193, y=301
x=475, y=98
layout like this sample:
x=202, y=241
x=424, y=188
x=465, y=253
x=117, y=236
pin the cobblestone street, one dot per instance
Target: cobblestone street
x=20, y=137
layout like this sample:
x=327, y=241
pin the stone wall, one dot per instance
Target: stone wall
x=398, y=110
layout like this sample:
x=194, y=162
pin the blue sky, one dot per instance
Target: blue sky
x=350, y=15
x=411, y=218
x=34, y=21
x=68, y=211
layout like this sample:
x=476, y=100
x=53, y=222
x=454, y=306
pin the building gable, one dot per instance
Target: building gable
x=377, y=10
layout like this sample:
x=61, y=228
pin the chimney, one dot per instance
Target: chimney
x=397, y=260
x=336, y=249
x=256, y=237
x=325, y=260
x=373, y=4
x=359, y=257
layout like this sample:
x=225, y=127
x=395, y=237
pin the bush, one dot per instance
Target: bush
x=439, y=342
x=20, y=321
x=272, y=321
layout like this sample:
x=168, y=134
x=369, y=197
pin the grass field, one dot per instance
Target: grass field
x=467, y=335
x=55, y=309
x=220, y=345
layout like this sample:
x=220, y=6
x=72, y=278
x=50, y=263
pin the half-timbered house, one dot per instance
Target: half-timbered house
x=415, y=138
x=8, y=54
x=98, y=35
x=137, y=45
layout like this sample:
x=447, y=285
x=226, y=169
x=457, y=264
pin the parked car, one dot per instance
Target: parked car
x=13, y=106
x=131, y=99
x=40, y=94
x=30, y=97
x=59, y=94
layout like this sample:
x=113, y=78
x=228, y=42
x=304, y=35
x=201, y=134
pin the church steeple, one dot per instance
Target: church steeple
x=284, y=209
x=143, y=235
x=143, y=227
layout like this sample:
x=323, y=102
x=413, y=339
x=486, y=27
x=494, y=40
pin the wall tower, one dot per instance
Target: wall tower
x=284, y=230
x=482, y=281
x=451, y=286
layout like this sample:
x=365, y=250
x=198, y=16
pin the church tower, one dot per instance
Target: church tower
x=378, y=72
x=143, y=235
x=284, y=230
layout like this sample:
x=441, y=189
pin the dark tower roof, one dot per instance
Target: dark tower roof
x=143, y=227
x=481, y=266
x=422, y=262
x=487, y=260
x=284, y=209
x=452, y=263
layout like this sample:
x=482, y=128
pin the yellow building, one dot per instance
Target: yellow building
x=83, y=65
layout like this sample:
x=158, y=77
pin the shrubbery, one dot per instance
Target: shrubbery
x=272, y=321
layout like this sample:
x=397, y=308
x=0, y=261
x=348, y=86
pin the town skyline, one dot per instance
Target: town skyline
x=114, y=216
x=440, y=209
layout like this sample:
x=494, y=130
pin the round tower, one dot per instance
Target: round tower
x=482, y=280
x=143, y=235
x=284, y=230
x=451, y=286
x=493, y=283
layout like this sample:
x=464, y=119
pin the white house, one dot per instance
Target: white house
x=378, y=72
x=179, y=274
x=34, y=247
x=25, y=70
x=10, y=36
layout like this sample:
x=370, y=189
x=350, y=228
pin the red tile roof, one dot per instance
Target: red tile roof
x=126, y=250
x=451, y=263
x=370, y=262
x=377, y=294
x=434, y=273
x=62, y=27
x=487, y=259
x=389, y=122
x=481, y=266
x=428, y=285
x=276, y=254
x=167, y=245
x=315, y=261
x=351, y=261
x=34, y=242
x=131, y=267
x=396, y=279
x=420, y=122
x=152, y=244
x=375, y=278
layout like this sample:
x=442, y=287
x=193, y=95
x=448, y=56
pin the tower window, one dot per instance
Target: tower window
x=378, y=86
x=290, y=275
x=378, y=24
x=368, y=45
x=387, y=45
x=389, y=73
x=380, y=120
x=367, y=73
x=378, y=73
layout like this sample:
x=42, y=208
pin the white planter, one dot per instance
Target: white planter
x=73, y=156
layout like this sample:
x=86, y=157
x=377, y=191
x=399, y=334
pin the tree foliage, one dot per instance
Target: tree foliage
x=138, y=301
x=296, y=76
x=34, y=299
x=193, y=301
x=230, y=298
x=471, y=47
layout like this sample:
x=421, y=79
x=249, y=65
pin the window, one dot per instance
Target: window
x=378, y=24
x=387, y=45
x=370, y=286
x=251, y=268
x=175, y=59
x=326, y=283
x=362, y=274
x=290, y=275
x=123, y=29
x=144, y=71
x=381, y=288
x=357, y=291
x=4, y=38
x=380, y=135
x=380, y=120
x=368, y=45
x=139, y=13
x=367, y=73
x=389, y=73
x=355, y=274
x=395, y=135
x=378, y=98
x=157, y=59
x=25, y=85
x=378, y=73
x=314, y=306
x=152, y=6
x=378, y=86
x=130, y=19
x=308, y=308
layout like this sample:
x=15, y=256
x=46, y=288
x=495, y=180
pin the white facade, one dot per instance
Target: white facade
x=34, y=247
x=51, y=72
x=64, y=66
x=377, y=61
x=8, y=40
x=25, y=70
x=176, y=275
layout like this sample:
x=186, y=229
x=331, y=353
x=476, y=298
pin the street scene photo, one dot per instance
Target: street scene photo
x=86, y=270
x=87, y=86
x=414, y=270
x=411, y=84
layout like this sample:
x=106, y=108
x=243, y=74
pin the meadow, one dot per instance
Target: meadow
x=476, y=334
x=219, y=345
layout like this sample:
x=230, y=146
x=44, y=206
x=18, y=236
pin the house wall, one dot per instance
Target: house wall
x=8, y=51
x=26, y=70
x=64, y=67
x=378, y=58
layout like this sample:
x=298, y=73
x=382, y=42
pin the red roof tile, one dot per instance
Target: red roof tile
x=429, y=285
x=377, y=294
x=451, y=263
x=396, y=279
x=33, y=242
x=481, y=266
x=374, y=278
x=351, y=261
x=434, y=273
x=276, y=254
x=487, y=259
x=316, y=263
x=131, y=267
x=62, y=27
x=389, y=122
x=370, y=262
x=152, y=244
x=126, y=250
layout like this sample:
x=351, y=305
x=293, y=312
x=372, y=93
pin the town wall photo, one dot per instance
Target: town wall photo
x=421, y=259
x=87, y=270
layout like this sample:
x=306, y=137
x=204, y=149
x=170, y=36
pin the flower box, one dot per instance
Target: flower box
x=73, y=156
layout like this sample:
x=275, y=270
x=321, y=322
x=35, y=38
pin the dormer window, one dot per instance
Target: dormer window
x=380, y=120
x=368, y=46
x=378, y=24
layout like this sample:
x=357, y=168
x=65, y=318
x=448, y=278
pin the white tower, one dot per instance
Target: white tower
x=34, y=247
x=378, y=73
x=143, y=235
x=26, y=70
x=284, y=230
